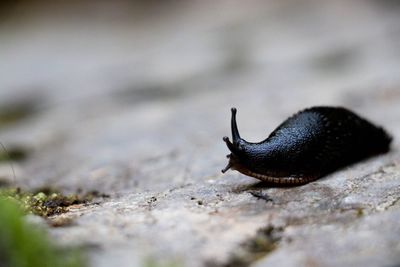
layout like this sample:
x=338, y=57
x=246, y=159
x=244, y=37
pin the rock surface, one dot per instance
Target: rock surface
x=135, y=108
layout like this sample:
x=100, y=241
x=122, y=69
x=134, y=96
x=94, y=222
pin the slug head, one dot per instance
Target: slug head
x=237, y=146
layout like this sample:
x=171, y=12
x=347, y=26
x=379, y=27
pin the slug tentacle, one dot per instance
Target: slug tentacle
x=227, y=167
x=306, y=146
x=234, y=128
x=229, y=144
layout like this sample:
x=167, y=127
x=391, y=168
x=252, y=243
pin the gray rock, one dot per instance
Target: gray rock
x=136, y=108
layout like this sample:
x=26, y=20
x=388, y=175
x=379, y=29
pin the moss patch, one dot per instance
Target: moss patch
x=15, y=153
x=17, y=111
x=25, y=245
x=44, y=203
x=264, y=242
x=162, y=263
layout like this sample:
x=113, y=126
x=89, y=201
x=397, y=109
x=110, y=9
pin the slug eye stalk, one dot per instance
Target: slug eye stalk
x=234, y=128
x=233, y=146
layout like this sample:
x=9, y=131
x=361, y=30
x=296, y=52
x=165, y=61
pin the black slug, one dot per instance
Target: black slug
x=310, y=144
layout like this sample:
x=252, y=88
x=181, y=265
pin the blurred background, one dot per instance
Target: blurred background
x=131, y=99
x=101, y=88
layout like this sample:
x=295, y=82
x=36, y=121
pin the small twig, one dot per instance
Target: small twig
x=11, y=164
x=260, y=195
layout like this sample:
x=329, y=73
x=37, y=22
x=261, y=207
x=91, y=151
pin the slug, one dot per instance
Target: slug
x=312, y=143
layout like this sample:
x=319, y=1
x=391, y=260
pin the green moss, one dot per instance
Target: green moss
x=265, y=241
x=15, y=153
x=43, y=203
x=16, y=111
x=161, y=263
x=360, y=212
x=25, y=245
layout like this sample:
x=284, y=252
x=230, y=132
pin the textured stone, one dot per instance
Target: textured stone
x=136, y=109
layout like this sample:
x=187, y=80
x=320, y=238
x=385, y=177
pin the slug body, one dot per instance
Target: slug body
x=307, y=146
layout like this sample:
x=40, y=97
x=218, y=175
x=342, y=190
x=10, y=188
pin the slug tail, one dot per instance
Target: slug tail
x=234, y=128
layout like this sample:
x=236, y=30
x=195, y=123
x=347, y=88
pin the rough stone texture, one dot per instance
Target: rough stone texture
x=135, y=107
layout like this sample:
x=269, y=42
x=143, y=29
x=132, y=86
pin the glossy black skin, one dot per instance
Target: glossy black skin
x=308, y=145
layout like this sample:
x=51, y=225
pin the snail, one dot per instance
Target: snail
x=307, y=146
